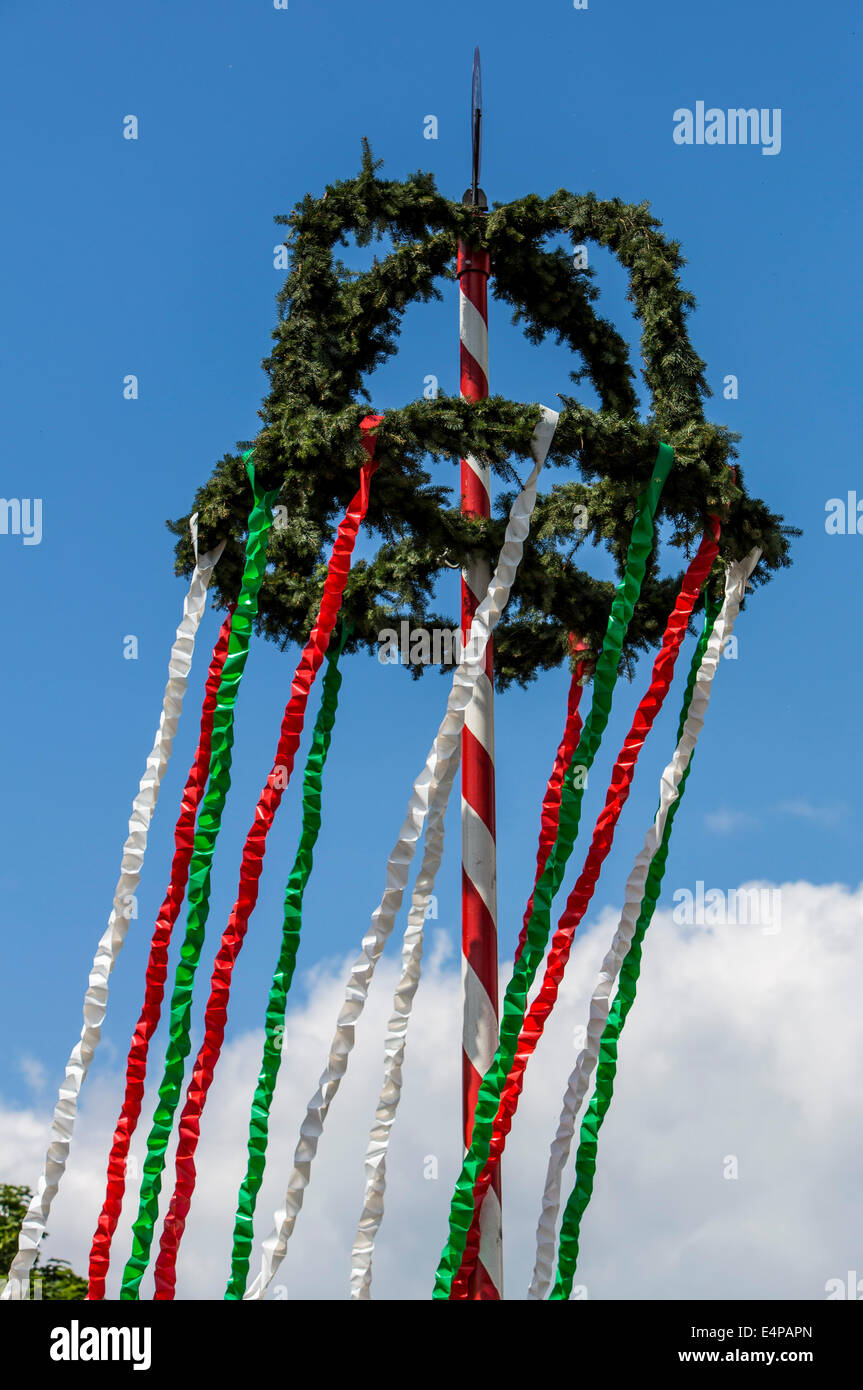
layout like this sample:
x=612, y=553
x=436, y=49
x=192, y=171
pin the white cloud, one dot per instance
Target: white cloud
x=728, y=822
x=740, y=1043
x=34, y=1072
x=805, y=810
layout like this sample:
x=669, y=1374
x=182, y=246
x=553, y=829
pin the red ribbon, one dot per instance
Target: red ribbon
x=233, y=936
x=579, y=899
x=550, y=813
x=157, y=968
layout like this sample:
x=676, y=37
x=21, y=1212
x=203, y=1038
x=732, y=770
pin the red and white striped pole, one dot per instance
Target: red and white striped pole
x=479, y=852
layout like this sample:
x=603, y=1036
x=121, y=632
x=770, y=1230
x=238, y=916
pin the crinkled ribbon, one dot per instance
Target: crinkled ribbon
x=209, y=824
x=550, y=814
x=644, y=886
x=396, y=1040
x=96, y=998
x=581, y=895
x=157, y=969
x=524, y=972
x=412, y=950
x=278, y=998
x=215, y=1017
x=599, y=1004
x=445, y=748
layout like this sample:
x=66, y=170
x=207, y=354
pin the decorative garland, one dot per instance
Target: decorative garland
x=336, y=326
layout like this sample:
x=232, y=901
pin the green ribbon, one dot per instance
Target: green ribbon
x=585, y=1162
x=206, y=834
x=539, y=926
x=278, y=999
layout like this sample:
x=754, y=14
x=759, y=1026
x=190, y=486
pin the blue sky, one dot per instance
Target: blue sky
x=155, y=257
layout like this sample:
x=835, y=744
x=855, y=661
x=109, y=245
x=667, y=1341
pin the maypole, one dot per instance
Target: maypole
x=335, y=327
x=479, y=854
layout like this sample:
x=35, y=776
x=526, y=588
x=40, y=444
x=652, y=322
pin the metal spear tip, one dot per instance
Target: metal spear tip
x=474, y=197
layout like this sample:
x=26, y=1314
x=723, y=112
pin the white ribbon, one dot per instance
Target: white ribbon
x=96, y=997
x=440, y=764
x=669, y=788
x=394, y=1048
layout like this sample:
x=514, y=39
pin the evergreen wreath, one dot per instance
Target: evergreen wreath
x=336, y=326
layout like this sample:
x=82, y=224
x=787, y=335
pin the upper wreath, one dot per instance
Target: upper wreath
x=335, y=326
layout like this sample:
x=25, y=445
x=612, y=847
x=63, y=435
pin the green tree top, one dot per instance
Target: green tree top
x=57, y=1279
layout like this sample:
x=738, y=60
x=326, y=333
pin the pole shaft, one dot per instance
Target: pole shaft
x=479, y=853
